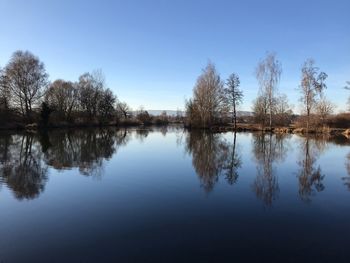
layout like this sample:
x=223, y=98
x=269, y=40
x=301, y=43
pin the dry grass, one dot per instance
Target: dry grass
x=347, y=132
x=282, y=130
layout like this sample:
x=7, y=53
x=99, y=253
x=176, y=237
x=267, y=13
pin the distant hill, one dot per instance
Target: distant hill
x=168, y=112
x=159, y=112
x=174, y=112
x=244, y=113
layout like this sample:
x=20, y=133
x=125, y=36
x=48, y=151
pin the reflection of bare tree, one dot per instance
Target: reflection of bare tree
x=21, y=166
x=84, y=149
x=310, y=177
x=211, y=157
x=268, y=148
x=233, y=163
x=6, y=142
x=141, y=134
x=346, y=179
x=163, y=130
x=24, y=158
x=122, y=137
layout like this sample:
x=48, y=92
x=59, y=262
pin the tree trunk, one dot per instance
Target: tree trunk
x=308, y=121
x=234, y=116
x=270, y=114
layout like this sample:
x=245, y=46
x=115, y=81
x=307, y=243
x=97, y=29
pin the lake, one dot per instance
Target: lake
x=169, y=195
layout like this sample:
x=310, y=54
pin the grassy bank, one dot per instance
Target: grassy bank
x=290, y=129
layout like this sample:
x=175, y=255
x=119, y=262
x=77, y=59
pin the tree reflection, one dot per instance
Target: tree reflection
x=24, y=159
x=268, y=148
x=233, y=162
x=213, y=156
x=310, y=175
x=347, y=178
x=141, y=134
x=84, y=149
x=163, y=130
x=21, y=166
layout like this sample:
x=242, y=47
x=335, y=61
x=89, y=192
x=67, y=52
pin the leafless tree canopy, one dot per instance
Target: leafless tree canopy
x=123, y=109
x=91, y=86
x=63, y=97
x=26, y=79
x=106, y=105
x=268, y=74
x=207, y=104
x=312, y=86
x=4, y=93
x=324, y=108
x=233, y=95
x=94, y=98
x=260, y=106
x=282, y=111
x=24, y=86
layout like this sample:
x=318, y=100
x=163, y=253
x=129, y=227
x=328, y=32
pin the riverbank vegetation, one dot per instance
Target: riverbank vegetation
x=29, y=99
x=211, y=104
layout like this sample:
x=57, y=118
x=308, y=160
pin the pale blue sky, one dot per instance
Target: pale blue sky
x=152, y=51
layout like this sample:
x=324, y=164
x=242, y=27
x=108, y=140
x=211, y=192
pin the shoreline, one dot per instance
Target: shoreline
x=216, y=128
x=287, y=130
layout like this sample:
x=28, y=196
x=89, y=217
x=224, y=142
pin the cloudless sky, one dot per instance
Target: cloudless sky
x=152, y=52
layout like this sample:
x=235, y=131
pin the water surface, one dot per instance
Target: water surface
x=168, y=195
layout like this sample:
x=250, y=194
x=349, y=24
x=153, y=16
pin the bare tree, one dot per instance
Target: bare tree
x=4, y=93
x=283, y=111
x=63, y=97
x=268, y=74
x=260, y=106
x=324, y=108
x=91, y=86
x=124, y=109
x=5, y=97
x=143, y=116
x=233, y=95
x=106, y=105
x=178, y=115
x=25, y=77
x=192, y=114
x=164, y=116
x=312, y=84
x=207, y=104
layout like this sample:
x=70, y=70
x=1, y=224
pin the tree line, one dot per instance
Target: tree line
x=215, y=101
x=27, y=96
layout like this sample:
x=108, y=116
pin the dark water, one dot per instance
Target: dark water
x=166, y=195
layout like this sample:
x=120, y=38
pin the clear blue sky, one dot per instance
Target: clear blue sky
x=152, y=51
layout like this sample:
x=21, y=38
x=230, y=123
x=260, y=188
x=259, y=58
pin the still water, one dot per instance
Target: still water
x=168, y=195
